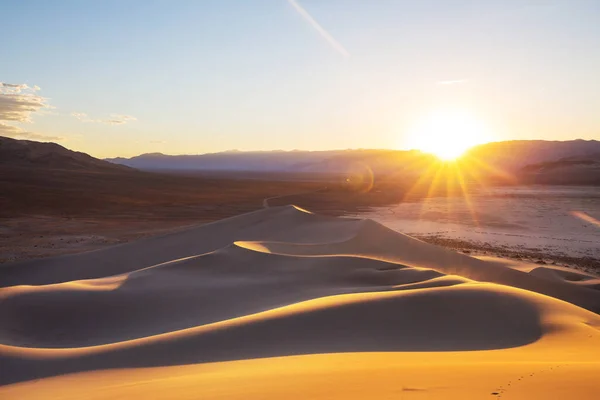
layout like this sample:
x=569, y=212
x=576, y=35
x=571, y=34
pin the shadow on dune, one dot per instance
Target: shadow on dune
x=228, y=283
x=458, y=318
x=285, y=223
x=306, y=284
x=307, y=233
x=376, y=241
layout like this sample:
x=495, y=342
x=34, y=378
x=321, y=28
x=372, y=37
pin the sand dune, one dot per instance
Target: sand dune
x=282, y=303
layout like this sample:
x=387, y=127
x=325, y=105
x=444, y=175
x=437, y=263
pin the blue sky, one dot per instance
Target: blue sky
x=128, y=77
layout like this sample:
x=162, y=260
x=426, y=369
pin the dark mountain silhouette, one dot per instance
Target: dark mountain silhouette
x=27, y=153
x=582, y=170
x=512, y=156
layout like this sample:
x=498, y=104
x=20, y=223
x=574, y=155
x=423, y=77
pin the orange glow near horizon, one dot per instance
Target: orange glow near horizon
x=448, y=134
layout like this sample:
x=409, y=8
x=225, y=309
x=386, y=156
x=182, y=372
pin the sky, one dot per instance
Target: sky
x=121, y=78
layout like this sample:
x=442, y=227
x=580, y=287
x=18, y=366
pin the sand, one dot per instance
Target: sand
x=283, y=303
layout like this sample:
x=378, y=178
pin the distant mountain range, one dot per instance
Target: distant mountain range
x=526, y=158
x=332, y=161
x=516, y=154
x=530, y=161
x=573, y=162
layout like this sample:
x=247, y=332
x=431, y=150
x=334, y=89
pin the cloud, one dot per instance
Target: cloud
x=17, y=87
x=117, y=119
x=80, y=116
x=18, y=101
x=16, y=132
x=337, y=46
x=113, y=119
x=452, y=82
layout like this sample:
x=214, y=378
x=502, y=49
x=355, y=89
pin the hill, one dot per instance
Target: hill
x=516, y=154
x=27, y=153
x=567, y=171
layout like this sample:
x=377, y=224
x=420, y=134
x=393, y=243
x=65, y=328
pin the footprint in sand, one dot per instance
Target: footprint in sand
x=500, y=391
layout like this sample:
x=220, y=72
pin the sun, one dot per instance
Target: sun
x=448, y=134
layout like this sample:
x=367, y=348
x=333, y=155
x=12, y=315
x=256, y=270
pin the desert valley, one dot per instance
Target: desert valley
x=300, y=199
x=170, y=282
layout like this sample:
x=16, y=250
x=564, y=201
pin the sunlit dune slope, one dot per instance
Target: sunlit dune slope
x=296, y=232
x=282, y=303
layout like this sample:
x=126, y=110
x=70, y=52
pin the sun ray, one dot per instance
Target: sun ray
x=431, y=190
x=496, y=172
x=431, y=169
x=465, y=194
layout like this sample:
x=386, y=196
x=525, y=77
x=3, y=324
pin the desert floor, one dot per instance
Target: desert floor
x=544, y=224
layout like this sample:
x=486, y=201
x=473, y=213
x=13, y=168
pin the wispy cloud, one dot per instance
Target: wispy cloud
x=81, y=116
x=117, y=119
x=17, y=87
x=113, y=119
x=18, y=102
x=452, y=82
x=16, y=132
x=324, y=34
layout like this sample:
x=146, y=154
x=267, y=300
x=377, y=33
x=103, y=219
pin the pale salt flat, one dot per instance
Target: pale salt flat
x=526, y=218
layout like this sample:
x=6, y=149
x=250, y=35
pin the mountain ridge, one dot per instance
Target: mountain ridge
x=27, y=153
x=510, y=156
